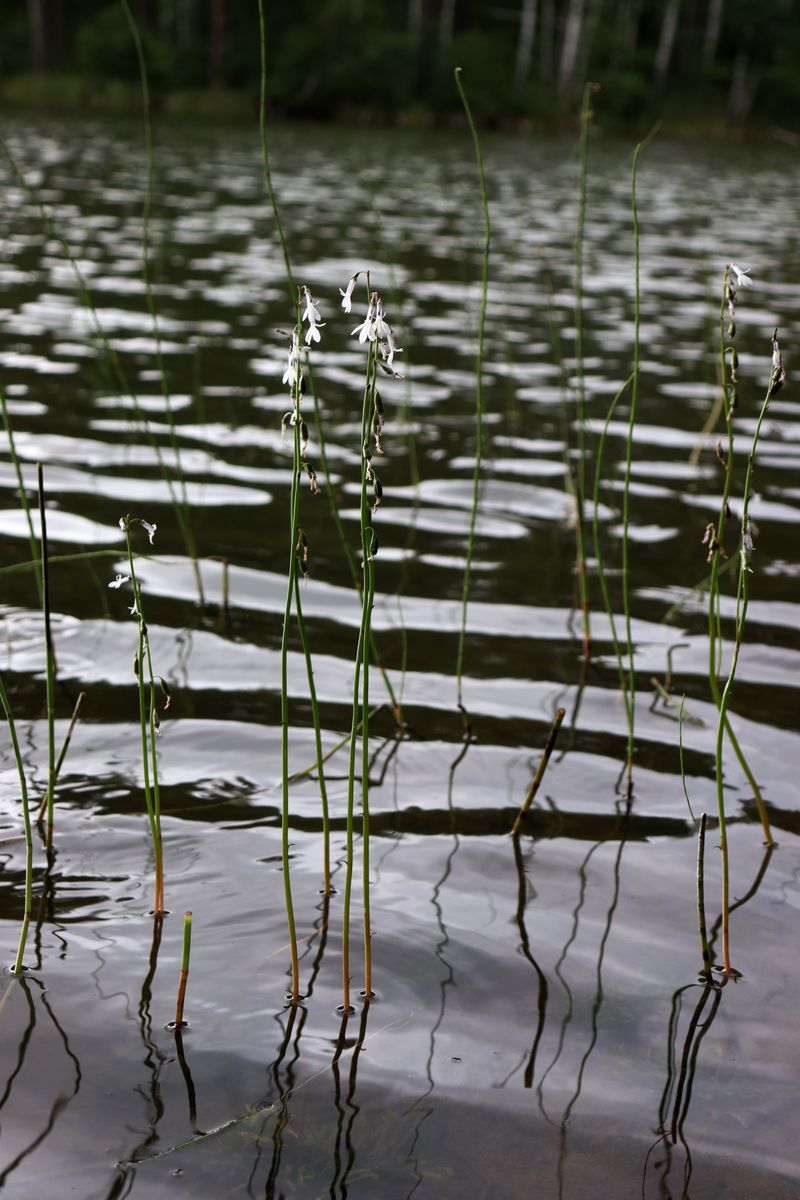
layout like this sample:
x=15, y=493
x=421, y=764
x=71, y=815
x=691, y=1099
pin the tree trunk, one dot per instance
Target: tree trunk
x=573, y=32
x=527, y=29
x=36, y=21
x=217, y=41
x=666, y=43
x=713, y=26
x=446, y=23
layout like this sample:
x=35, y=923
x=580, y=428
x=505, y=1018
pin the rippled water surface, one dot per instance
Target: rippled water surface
x=539, y=1022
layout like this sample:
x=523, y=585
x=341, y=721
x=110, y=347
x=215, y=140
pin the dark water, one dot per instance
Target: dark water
x=539, y=1027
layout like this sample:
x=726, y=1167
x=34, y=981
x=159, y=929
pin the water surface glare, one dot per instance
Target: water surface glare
x=539, y=1014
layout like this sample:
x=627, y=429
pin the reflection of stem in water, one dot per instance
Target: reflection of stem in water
x=525, y=947
x=447, y=980
x=539, y=776
x=61, y=1101
x=567, y=1018
x=598, y=996
x=345, y=1133
x=187, y=1075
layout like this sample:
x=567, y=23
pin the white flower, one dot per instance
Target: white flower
x=311, y=314
x=118, y=582
x=347, y=296
x=381, y=326
x=292, y=373
x=391, y=347
x=150, y=530
x=367, y=328
x=122, y=524
x=742, y=275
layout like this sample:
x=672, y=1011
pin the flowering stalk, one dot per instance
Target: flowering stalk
x=733, y=277
x=148, y=715
x=747, y=533
x=378, y=335
x=26, y=817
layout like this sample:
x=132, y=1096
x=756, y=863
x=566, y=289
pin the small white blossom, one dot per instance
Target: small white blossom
x=150, y=530
x=311, y=315
x=742, y=275
x=133, y=610
x=347, y=296
x=122, y=524
x=291, y=375
x=118, y=582
x=381, y=326
x=366, y=330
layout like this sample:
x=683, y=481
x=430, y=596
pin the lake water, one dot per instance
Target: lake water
x=539, y=1024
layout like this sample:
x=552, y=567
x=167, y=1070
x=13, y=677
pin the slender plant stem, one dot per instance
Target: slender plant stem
x=318, y=427
x=701, y=896
x=598, y=551
x=479, y=409
x=147, y=723
x=580, y=469
x=716, y=551
x=626, y=582
x=539, y=776
x=368, y=560
x=147, y=205
x=21, y=491
x=62, y=754
x=184, y=976
x=49, y=663
x=312, y=691
x=742, y=598
x=26, y=817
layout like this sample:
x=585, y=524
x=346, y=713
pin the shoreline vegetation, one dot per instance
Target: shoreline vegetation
x=75, y=95
x=715, y=69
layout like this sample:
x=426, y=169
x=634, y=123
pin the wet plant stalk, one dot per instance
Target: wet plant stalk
x=539, y=776
x=62, y=754
x=294, y=497
x=598, y=549
x=580, y=469
x=21, y=492
x=26, y=817
x=729, y=400
x=318, y=427
x=323, y=791
x=701, y=896
x=479, y=408
x=626, y=494
x=184, y=976
x=182, y=504
x=49, y=664
x=742, y=598
x=147, y=725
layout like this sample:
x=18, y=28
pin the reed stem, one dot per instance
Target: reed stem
x=21, y=491
x=701, y=896
x=479, y=407
x=323, y=791
x=539, y=776
x=26, y=817
x=184, y=976
x=49, y=664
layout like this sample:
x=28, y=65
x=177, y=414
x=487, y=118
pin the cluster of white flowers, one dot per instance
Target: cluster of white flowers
x=292, y=375
x=375, y=328
x=311, y=314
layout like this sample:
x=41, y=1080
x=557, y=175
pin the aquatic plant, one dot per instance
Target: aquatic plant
x=479, y=413
x=733, y=277
x=179, y=1022
x=377, y=335
x=50, y=665
x=26, y=818
x=149, y=719
x=539, y=776
x=747, y=535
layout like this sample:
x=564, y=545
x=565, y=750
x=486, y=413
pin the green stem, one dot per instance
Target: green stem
x=21, y=491
x=49, y=664
x=580, y=472
x=26, y=817
x=478, y=397
x=312, y=691
x=184, y=976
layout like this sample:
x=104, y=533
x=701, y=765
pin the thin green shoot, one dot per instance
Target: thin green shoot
x=49, y=664
x=320, y=762
x=18, y=967
x=21, y=490
x=179, y=1022
x=479, y=406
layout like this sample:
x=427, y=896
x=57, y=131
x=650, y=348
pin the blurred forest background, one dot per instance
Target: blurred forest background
x=726, y=64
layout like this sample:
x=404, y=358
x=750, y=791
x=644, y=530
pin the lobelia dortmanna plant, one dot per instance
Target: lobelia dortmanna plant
x=298, y=566
x=377, y=335
x=148, y=685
